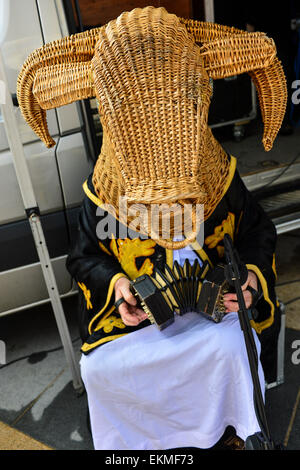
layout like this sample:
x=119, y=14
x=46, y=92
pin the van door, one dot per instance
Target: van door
x=57, y=174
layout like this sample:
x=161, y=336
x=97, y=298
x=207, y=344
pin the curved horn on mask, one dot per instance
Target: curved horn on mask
x=229, y=51
x=270, y=84
x=74, y=52
x=62, y=84
x=255, y=54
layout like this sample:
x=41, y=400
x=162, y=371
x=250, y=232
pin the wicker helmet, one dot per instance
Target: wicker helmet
x=150, y=72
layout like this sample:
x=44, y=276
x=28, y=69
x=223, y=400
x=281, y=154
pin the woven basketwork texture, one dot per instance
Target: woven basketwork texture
x=204, y=32
x=150, y=72
x=154, y=97
x=272, y=98
x=69, y=50
x=229, y=51
x=68, y=83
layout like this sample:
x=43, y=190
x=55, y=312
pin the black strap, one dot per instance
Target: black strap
x=256, y=295
x=119, y=302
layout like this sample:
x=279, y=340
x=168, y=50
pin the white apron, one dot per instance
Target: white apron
x=180, y=387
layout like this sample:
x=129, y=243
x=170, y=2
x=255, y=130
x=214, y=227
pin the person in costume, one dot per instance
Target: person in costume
x=151, y=73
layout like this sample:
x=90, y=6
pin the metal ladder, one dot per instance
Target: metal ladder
x=32, y=211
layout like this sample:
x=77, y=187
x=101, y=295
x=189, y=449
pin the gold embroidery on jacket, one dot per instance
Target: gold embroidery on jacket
x=111, y=321
x=87, y=295
x=127, y=251
x=103, y=248
x=239, y=221
x=274, y=266
x=227, y=226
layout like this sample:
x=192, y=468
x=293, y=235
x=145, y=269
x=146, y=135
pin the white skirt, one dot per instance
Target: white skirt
x=180, y=387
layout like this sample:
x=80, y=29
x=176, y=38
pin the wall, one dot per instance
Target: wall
x=99, y=12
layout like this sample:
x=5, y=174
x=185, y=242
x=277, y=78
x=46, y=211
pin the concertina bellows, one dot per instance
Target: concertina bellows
x=182, y=289
x=150, y=72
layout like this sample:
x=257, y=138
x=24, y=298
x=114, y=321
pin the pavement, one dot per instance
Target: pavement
x=36, y=394
x=39, y=408
x=283, y=402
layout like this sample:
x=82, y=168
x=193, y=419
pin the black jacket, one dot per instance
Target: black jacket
x=97, y=264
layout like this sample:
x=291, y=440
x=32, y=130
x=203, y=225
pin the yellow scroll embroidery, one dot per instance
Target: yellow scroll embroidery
x=109, y=323
x=87, y=295
x=127, y=251
x=227, y=226
x=274, y=266
x=103, y=248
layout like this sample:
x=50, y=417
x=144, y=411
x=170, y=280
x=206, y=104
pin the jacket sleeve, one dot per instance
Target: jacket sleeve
x=94, y=269
x=255, y=240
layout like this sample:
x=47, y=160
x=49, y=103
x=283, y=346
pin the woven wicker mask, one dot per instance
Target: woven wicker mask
x=150, y=71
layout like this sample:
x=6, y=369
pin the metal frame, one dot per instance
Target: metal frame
x=209, y=10
x=280, y=351
x=32, y=211
x=287, y=223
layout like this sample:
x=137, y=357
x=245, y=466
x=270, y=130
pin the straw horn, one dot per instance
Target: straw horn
x=75, y=49
x=228, y=51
